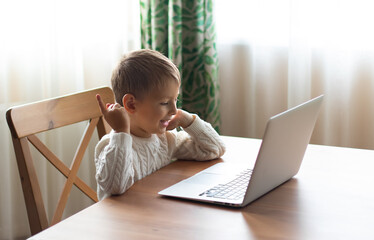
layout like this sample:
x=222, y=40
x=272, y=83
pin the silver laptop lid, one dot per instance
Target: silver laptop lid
x=286, y=138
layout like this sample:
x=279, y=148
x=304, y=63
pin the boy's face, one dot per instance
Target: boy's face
x=154, y=111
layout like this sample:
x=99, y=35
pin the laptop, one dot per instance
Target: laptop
x=282, y=150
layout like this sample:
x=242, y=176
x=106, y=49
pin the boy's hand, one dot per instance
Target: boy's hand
x=181, y=119
x=115, y=115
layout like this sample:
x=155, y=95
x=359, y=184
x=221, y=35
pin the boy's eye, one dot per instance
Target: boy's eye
x=167, y=103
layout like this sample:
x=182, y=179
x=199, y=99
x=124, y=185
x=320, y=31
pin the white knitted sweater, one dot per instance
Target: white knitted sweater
x=122, y=159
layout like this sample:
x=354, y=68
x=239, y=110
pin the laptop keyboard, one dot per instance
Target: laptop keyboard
x=232, y=190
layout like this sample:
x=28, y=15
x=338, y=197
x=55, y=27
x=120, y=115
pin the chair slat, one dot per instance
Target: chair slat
x=102, y=127
x=61, y=167
x=54, y=113
x=74, y=170
x=49, y=155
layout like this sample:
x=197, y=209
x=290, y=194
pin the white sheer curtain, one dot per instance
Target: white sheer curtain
x=50, y=48
x=275, y=54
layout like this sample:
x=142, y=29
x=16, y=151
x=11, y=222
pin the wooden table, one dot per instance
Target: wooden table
x=332, y=197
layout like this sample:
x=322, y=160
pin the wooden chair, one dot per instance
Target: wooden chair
x=27, y=120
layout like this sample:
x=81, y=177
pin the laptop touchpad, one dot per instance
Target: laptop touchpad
x=208, y=179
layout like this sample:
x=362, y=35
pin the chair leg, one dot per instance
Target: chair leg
x=33, y=198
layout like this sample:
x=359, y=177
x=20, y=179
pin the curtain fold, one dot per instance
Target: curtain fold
x=282, y=53
x=184, y=31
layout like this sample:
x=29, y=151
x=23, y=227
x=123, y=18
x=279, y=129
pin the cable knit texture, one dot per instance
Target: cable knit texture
x=122, y=159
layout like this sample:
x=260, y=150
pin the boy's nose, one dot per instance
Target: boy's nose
x=173, y=109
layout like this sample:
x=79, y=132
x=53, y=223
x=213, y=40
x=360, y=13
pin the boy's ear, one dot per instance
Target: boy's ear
x=129, y=102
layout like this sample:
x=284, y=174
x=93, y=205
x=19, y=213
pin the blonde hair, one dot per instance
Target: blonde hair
x=142, y=71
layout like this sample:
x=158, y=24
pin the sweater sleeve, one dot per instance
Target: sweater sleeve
x=199, y=142
x=114, y=164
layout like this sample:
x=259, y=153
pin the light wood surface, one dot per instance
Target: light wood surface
x=332, y=197
x=27, y=120
x=56, y=112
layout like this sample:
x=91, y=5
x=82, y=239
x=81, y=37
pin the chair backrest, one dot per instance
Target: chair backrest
x=27, y=120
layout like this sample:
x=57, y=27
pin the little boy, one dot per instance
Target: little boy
x=143, y=140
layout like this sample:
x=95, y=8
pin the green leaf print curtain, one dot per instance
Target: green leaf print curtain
x=184, y=31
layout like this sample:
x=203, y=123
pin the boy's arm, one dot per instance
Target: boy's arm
x=181, y=119
x=114, y=164
x=198, y=141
